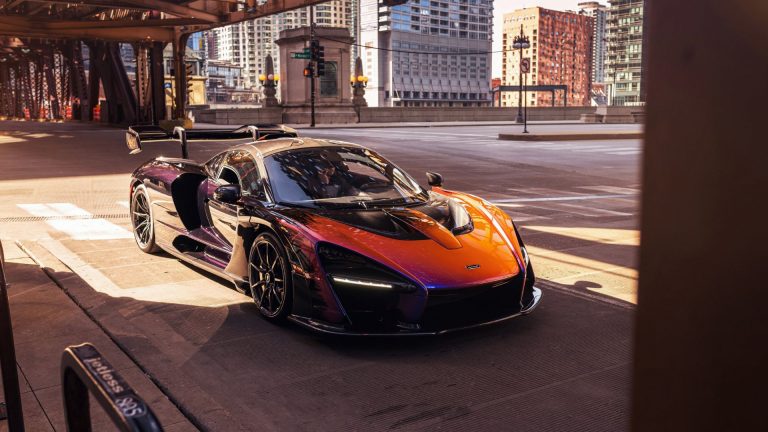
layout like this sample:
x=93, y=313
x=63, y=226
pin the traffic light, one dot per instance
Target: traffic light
x=317, y=52
x=308, y=71
x=188, y=74
x=320, y=61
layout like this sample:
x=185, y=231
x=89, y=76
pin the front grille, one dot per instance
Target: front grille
x=369, y=309
x=452, y=308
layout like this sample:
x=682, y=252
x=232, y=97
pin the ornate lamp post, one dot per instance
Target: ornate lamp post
x=269, y=82
x=520, y=42
x=359, y=82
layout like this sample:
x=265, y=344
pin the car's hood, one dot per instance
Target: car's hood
x=418, y=241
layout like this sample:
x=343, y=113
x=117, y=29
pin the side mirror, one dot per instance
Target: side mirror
x=229, y=194
x=133, y=141
x=434, y=179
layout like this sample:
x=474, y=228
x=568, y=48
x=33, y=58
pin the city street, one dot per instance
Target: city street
x=564, y=367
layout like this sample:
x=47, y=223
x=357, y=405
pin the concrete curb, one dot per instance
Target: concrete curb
x=572, y=136
x=427, y=124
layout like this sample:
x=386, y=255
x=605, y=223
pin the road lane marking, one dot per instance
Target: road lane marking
x=75, y=222
x=123, y=204
x=198, y=292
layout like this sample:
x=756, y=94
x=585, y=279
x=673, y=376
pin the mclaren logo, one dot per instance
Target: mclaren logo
x=473, y=266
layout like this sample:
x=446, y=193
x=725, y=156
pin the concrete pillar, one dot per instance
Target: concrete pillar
x=702, y=321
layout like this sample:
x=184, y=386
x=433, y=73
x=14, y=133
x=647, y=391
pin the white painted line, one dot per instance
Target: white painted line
x=611, y=149
x=194, y=293
x=626, y=153
x=76, y=222
x=563, y=198
x=124, y=204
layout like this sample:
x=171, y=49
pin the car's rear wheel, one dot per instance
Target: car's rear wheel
x=269, y=276
x=141, y=219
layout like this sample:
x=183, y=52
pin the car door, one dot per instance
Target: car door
x=238, y=168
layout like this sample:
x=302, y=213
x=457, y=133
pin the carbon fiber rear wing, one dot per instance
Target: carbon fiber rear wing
x=136, y=135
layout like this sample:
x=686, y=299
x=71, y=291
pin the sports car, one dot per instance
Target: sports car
x=331, y=235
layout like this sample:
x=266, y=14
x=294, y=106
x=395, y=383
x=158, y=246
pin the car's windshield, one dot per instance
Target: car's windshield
x=339, y=176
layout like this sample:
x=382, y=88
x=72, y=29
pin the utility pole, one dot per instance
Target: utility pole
x=312, y=62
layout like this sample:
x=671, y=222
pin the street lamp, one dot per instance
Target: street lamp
x=269, y=82
x=520, y=42
x=358, y=81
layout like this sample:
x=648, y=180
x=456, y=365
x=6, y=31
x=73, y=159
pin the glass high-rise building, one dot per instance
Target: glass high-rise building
x=599, y=12
x=624, y=64
x=426, y=52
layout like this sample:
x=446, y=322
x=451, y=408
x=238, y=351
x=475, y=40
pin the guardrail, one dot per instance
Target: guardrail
x=84, y=370
x=8, y=357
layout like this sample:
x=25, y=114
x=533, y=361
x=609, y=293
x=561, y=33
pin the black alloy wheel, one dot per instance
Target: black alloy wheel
x=269, y=276
x=141, y=219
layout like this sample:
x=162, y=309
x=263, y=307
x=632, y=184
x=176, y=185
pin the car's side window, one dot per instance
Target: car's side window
x=247, y=171
x=227, y=176
x=213, y=165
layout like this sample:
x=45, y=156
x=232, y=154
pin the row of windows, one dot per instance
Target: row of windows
x=428, y=49
x=483, y=75
x=424, y=29
x=438, y=95
x=436, y=59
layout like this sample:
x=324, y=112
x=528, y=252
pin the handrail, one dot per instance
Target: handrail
x=83, y=369
x=8, y=357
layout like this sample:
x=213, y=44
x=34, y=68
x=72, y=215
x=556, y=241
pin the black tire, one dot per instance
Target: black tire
x=269, y=276
x=142, y=221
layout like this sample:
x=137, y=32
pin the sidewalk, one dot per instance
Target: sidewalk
x=46, y=320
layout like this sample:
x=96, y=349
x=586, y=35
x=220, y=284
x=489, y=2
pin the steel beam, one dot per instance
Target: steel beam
x=179, y=49
x=157, y=80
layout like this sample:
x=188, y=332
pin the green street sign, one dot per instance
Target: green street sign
x=300, y=55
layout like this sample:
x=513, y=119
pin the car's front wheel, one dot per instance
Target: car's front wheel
x=141, y=219
x=269, y=276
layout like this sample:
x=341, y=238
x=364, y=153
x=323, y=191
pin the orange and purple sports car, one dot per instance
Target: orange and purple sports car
x=333, y=236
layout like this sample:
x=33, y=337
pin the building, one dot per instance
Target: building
x=599, y=12
x=427, y=52
x=560, y=54
x=623, y=65
x=225, y=84
x=248, y=43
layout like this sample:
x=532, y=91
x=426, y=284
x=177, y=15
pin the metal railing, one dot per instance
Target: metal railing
x=84, y=370
x=8, y=357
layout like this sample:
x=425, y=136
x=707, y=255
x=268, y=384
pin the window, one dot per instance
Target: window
x=329, y=83
x=240, y=167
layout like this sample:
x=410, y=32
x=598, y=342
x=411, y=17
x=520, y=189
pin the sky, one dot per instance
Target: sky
x=500, y=7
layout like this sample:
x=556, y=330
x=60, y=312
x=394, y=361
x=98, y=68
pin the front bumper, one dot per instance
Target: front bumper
x=327, y=328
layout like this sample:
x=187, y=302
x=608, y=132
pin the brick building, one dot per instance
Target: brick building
x=560, y=53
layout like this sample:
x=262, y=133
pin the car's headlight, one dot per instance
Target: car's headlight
x=352, y=270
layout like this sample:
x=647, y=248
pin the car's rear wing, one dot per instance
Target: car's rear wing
x=136, y=135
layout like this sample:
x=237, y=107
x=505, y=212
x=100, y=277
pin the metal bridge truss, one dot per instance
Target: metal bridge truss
x=42, y=74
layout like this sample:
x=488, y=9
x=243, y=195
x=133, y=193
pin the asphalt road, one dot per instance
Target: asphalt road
x=564, y=367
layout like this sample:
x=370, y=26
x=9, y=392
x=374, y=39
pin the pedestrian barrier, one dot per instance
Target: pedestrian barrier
x=8, y=358
x=84, y=370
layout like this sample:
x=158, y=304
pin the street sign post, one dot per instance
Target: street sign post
x=300, y=55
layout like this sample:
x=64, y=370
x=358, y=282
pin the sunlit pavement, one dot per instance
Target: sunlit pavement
x=565, y=367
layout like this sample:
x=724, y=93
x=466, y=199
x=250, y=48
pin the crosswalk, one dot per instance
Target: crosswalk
x=75, y=222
